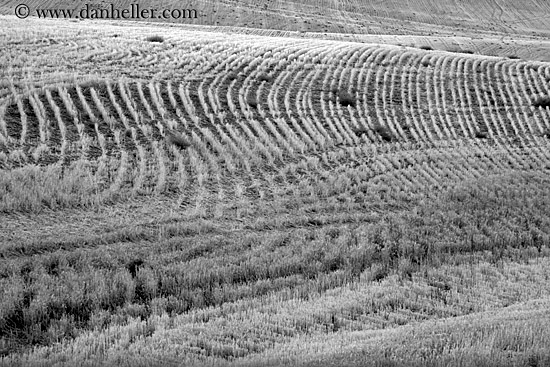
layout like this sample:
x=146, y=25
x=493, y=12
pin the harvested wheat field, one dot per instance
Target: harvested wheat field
x=279, y=183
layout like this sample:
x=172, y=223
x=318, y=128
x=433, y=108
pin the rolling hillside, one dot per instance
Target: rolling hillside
x=196, y=194
x=447, y=17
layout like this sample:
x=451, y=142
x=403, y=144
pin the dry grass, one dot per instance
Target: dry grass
x=307, y=289
x=186, y=226
x=485, y=339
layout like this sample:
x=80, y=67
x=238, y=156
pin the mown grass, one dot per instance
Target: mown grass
x=33, y=188
x=359, y=274
x=483, y=230
x=514, y=336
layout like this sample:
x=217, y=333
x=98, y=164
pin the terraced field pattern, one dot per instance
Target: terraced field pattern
x=370, y=189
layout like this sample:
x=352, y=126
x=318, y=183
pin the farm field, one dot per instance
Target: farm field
x=226, y=193
x=480, y=18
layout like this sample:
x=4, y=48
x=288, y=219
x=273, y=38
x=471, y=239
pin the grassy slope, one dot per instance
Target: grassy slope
x=313, y=306
x=512, y=336
x=503, y=28
x=384, y=278
x=387, y=17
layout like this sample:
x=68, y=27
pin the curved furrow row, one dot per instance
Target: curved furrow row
x=470, y=72
x=360, y=122
x=519, y=119
x=347, y=86
x=510, y=124
x=58, y=134
x=423, y=102
x=257, y=94
x=413, y=108
x=453, y=102
x=525, y=90
x=410, y=101
x=441, y=70
x=304, y=115
x=502, y=100
x=542, y=85
x=310, y=104
x=279, y=102
x=390, y=68
x=460, y=101
x=492, y=102
x=398, y=97
x=433, y=121
x=289, y=95
x=338, y=90
x=535, y=91
x=244, y=120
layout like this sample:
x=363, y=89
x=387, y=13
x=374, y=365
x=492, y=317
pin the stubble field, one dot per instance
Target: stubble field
x=210, y=195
